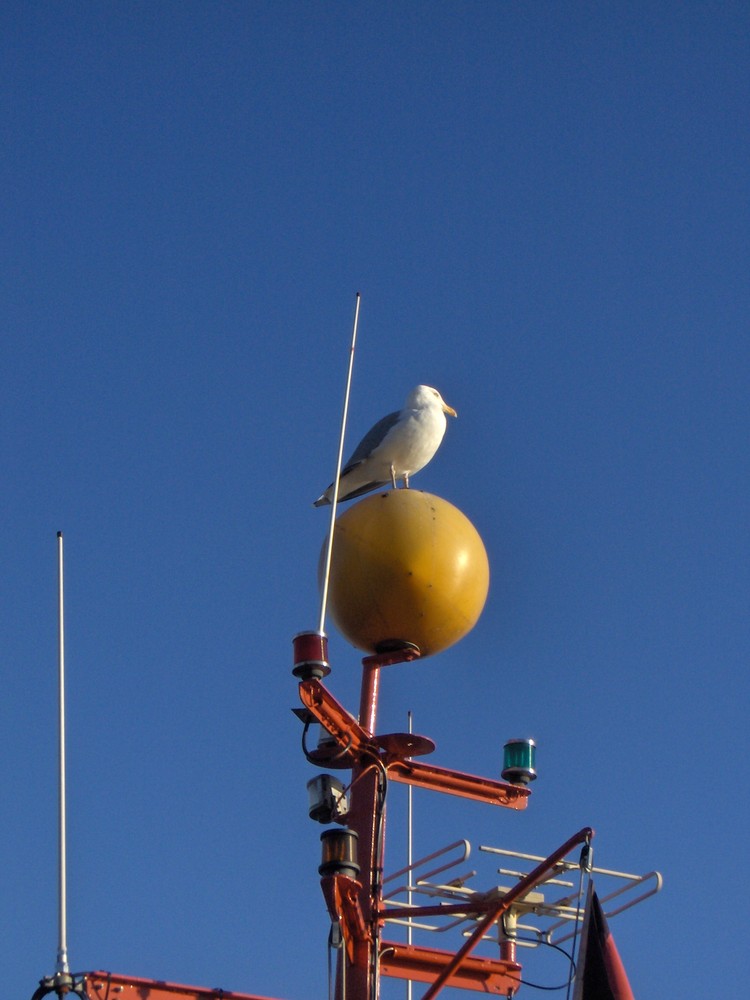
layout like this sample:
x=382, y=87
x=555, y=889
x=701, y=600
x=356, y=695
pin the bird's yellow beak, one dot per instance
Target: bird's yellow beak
x=449, y=409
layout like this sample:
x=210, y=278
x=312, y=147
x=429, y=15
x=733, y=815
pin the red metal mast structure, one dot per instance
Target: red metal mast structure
x=352, y=866
x=408, y=565
x=409, y=576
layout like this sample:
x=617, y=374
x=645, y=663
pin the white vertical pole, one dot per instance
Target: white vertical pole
x=339, y=460
x=409, y=859
x=62, y=948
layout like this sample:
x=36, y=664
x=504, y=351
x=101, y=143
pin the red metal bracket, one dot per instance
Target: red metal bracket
x=332, y=715
x=403, y=653
x=108, y=986
x=483, y=975
x=469, y=786
x=475, y=907
x=341, y=894
x=354, y=739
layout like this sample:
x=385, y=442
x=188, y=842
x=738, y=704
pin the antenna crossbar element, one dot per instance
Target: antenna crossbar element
x=464, y=851
x=517, y=892
x=550, y=913
x=566, y=910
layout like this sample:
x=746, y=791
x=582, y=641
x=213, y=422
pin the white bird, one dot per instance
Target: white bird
x=396, y=447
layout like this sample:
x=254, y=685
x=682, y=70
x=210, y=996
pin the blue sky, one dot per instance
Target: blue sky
x=545, y=209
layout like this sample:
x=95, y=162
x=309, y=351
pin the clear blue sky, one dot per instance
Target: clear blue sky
x=545, y=208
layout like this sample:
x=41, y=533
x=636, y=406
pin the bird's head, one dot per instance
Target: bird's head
x=425, y=395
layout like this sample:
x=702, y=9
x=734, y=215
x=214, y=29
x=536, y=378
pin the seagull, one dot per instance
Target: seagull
x=396, y=447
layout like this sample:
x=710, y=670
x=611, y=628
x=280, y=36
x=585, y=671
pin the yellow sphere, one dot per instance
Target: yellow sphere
x=407, y=567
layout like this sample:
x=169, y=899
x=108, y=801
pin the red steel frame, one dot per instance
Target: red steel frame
x=357, y=905
x=108, y=986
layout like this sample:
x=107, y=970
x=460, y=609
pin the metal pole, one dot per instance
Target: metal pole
x=335, y=497
x=409, y=859
x=62, y=947
x=365, y=817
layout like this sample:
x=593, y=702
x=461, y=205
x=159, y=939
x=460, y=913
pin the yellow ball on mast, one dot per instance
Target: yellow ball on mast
x=407, y=568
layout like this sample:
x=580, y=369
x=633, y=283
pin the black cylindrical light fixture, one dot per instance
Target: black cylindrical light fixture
x=339, y=855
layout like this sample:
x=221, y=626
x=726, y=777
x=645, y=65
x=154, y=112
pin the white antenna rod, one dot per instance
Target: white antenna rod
x=409, y=856
x=62, y=948
x=335, y=497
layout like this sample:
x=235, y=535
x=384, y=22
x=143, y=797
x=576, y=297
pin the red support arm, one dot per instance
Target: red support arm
x=108, y=985
x=341, y=894
x=482, y=975
x=351, y=736
x=332, y=715
x=469, y=786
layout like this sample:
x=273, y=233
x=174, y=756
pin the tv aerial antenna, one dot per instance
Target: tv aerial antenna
x=62, y=982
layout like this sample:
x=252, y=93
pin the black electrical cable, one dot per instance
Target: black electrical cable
x=549, y=944
x=585, y=865
x=536, y=941
x=377, y=873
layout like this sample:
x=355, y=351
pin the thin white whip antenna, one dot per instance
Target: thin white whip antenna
x=62, y=948
x=409, y=855
x=335, y=497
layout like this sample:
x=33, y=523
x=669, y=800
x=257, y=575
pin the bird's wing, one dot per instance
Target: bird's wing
x=372, y=439
x=367, y=488
x=369, y=443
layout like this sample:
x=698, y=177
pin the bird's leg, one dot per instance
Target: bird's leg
x=406, y=481
x=393, y=476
